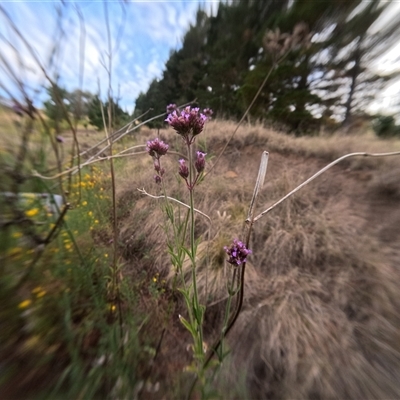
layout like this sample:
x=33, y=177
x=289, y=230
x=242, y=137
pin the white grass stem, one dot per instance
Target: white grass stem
x=75, y=169
x=129, y=130
x=259, y=184
x=359, y=154
x=177, y=201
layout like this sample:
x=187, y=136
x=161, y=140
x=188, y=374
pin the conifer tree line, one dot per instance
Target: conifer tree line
x=224, y=59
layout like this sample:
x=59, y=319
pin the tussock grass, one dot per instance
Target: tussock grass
x=297, y=342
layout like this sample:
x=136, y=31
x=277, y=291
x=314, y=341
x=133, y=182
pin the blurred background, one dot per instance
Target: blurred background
x=89, y=307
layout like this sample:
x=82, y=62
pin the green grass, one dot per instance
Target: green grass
x=60, y=313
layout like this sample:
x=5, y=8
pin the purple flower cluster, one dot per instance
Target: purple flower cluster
x=188, y=123
x=156, y=149
x=237, y=252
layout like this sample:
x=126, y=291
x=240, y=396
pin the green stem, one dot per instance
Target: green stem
x=227, y=312
x=197, y=311
x=179, y=241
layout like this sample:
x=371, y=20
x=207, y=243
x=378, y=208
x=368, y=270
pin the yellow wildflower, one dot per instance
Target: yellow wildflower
x=84, y=203
x=24, y=304
x=32, y=212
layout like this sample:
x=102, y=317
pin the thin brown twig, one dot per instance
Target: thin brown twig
x=128, y=125
x=130, y=130
x=106, y=158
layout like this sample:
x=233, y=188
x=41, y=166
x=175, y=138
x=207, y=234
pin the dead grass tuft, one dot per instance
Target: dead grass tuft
x=325, y=336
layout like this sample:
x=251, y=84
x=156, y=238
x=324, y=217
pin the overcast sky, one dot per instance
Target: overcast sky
x=143, y=33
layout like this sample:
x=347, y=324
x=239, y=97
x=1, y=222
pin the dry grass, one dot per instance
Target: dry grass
x=325, y=145
x=320, y=318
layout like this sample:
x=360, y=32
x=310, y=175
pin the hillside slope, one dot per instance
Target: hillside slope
x=320, y=318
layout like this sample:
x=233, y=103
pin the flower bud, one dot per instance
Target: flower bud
x=183, y=169
x=200, y=161
x=157, y=179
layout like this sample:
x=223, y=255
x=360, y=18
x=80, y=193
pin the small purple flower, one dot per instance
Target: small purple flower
x=157, y=148
x=60, y=139
x=171, y=108
x=183, y=169
x=188, y=123
x=237, y=252
x=157, y=179
x=200, y=162
x=208, y=113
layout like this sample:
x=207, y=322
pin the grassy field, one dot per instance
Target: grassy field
x=93, y=313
